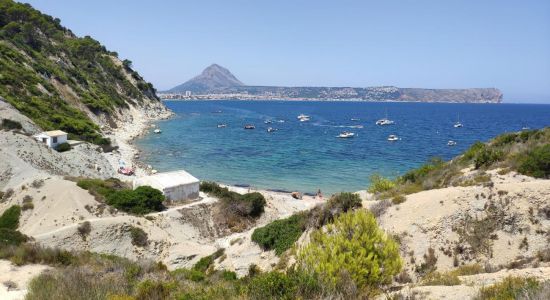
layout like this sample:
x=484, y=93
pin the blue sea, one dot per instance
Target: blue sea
x=307, y=156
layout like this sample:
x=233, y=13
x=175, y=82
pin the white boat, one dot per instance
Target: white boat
x=525, y=128
x=392, y=138
x=222, y=125
x=157, y=131
x=356, y=126
x=249, y=126
x=355, y=119
x=451, y=143
x=385, y=121
x=303, y=118
x=280, y=121
x=346, y=135
x=271, y=129
x=457, y=124
x=267, y=122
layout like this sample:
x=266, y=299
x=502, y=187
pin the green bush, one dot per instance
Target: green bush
x=247, y=205
x=272, y=285
x=139, y=237
x=63, y=147
x=352, y=251
x=437, y=278
x=379, y=184
x=10, y=217
x=486, y=157
x=536, y=163
x=510, y=288
x=142, y=200
x=10, y=124
x=280, y=235
x=11, y=237
x=204, y=263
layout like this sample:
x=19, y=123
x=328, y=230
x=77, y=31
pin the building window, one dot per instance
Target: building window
x=55, y=140
x=44, y=140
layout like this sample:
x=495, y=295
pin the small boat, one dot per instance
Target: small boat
x=346, y=135
x=392, y=138
x=356, y=126
x=271, y=129
x=268, y=122
x=355, y=119
x=217, y=112
x=385, y=121
x=525, y=128
x=457, y=124
x=451, y=143
x=280, y=121
x=303, y=118
x=157, y=131
x=222, y=125
x=249, y=126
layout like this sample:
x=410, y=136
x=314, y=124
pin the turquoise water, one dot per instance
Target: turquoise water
x=307, y=156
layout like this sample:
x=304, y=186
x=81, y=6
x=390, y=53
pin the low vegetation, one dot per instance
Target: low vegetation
x=63, y=147
x=139, y=237
x=8, y=124
x=353, y=255
x=247, y=205
x=510, y=288
x=114, y=192
x=10, y=218
x=280, y=235
x=527, y=152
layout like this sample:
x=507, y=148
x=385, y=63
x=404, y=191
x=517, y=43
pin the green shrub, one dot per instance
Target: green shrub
x=280, y=235
x=379, y=184
x=509, y=289
x=63, y=147
x=235, y=204
x=473, y=151
x=10, y=124
x=398, y=199
x=142, y=200
x=353, y=250
x=11, y=237
x=10, y=217
x=486, y=157
x=139, y=237
x=536, y=163
x=229, y=275
x=416, y=175
x=204, y=263
x=272, y=285
x=149, y=289
x=437, y=278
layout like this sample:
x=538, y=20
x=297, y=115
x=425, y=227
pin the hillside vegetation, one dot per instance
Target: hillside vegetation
x=526, y=152
x=59, y=80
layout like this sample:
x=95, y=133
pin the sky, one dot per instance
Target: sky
x=426, y=44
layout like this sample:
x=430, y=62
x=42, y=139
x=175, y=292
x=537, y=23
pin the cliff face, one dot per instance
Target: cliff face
x=61, y=81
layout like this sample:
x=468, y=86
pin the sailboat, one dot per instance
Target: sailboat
x=457, y=124
x=385, y=121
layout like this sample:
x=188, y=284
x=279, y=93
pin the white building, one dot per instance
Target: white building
x=187, y=93
x=52, y=138
x=176, y=186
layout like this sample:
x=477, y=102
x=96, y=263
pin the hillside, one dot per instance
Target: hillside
x=216, y=82
x=61, y=81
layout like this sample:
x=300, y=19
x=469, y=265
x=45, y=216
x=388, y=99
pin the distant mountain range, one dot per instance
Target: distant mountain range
x=216, y=82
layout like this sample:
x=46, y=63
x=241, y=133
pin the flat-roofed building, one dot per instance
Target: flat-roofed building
x=176, y=186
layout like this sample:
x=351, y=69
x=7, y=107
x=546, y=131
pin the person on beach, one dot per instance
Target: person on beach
x=319, y=195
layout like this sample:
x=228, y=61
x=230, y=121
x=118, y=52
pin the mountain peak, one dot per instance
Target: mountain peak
x=211, y=78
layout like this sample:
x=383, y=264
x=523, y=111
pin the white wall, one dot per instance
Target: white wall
x=182, y=192
x=60, y=140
